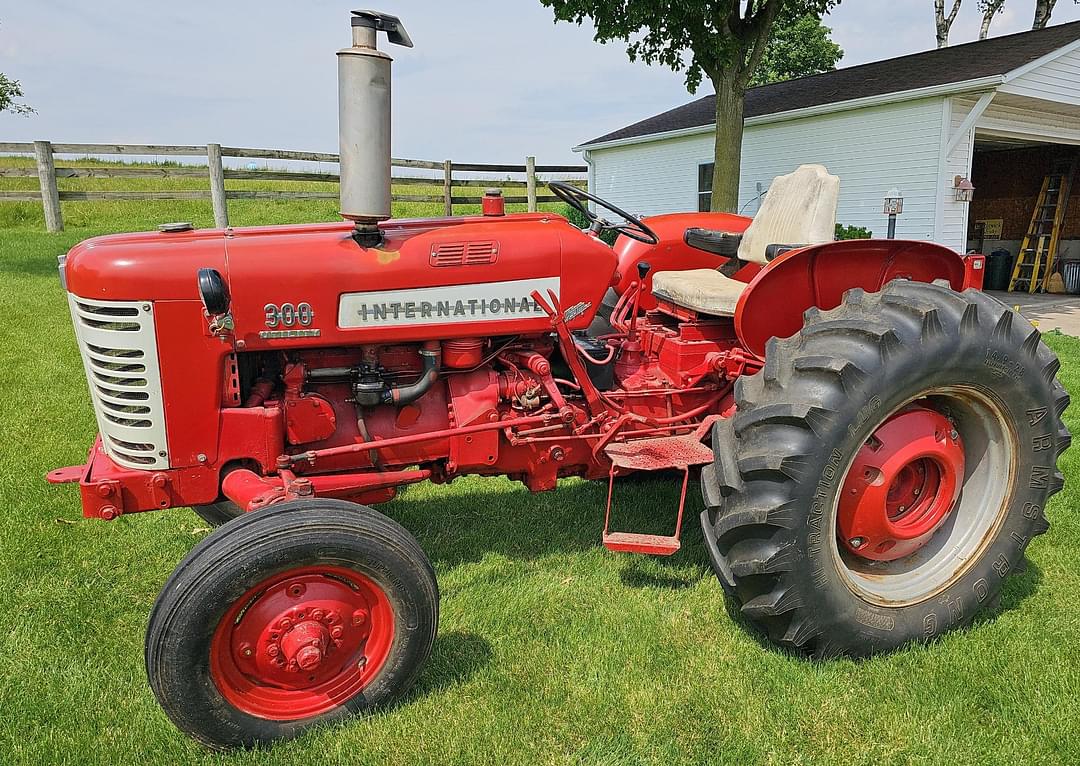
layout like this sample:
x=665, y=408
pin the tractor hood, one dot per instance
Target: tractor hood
x=407, y=288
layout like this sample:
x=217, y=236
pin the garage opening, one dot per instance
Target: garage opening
x=1011, y=212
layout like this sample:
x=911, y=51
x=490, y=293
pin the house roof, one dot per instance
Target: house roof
x=955, y=64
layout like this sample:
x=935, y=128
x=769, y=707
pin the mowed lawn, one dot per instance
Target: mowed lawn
x=551, y=650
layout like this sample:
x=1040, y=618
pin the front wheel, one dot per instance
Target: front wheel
x=216, y=514
x=886, y=469
x=305, y=612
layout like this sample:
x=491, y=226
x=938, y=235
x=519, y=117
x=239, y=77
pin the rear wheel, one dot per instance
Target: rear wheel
x=886, y=470
x=305, y=612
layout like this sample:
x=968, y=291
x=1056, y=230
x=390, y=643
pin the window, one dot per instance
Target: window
x=704, y=187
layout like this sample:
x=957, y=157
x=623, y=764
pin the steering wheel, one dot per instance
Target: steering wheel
x=576, y=198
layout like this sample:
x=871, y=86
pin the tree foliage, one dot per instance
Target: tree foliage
x=703, y=38
x=798, y=47
x=723, y=41
x=10, y=91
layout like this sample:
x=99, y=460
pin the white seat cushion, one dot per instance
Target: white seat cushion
x=799, y=209
x=704, y=290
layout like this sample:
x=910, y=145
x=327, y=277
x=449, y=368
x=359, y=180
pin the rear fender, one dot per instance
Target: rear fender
x=819, y=275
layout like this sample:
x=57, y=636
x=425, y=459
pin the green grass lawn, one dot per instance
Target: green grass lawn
x=550, y=649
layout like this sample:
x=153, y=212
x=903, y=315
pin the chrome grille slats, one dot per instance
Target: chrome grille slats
x=118, y=345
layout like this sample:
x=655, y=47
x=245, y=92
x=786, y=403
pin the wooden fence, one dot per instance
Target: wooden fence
x=456, y=190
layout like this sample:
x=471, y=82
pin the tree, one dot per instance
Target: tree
x=9, y=91
x=943, y=23
x=723, y=40
x=798, y=47
x=1043, y=9
x=989, y=9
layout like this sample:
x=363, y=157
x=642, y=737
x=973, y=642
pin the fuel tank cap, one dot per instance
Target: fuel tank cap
x=176, y=226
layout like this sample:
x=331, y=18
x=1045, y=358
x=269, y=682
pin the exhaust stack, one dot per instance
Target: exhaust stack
x=364, y=122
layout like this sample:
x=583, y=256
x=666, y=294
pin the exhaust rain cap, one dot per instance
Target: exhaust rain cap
x=383, y=22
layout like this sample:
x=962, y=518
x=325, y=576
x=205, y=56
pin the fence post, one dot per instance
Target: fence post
x=217, y=186
x=448, y=187
x=530, y=182
x=50, y=196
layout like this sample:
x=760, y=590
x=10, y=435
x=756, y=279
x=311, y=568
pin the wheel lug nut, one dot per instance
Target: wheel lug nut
x=272, y=650
x=337, y=631
x=296, y=589
x=917, y=491
x=285, y=623
x=318, y=615
x=857, y=542
x=246, y=650
x=359, y=617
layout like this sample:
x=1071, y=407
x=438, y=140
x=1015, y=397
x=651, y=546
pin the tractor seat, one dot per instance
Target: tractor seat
x=798, y=208
x=704, y=290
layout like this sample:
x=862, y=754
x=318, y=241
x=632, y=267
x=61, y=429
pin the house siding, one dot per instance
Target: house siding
x=1056, y=80
x=952, y=221
x=653, y=177
x=871, y=149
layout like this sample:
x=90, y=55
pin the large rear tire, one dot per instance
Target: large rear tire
x=305, y=612
x=886, y=470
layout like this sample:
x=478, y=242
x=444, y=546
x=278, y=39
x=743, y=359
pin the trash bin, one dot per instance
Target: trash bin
x=998, y=270
x=1070, y=272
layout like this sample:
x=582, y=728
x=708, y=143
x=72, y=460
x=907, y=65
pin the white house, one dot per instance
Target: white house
x=998, y=112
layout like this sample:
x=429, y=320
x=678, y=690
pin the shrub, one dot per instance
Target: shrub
x=853, y=232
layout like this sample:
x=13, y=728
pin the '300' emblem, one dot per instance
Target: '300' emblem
x=288, y=315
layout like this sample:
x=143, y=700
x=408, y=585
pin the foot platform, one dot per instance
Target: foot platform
x=652, y=455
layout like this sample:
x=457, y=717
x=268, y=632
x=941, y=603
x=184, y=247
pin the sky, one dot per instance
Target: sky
x=486, y=82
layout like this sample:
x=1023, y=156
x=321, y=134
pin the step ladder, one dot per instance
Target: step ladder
x=1035, y=261
x=653, y=454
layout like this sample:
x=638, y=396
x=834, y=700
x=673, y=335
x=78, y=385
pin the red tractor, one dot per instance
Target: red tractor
x=876, y=439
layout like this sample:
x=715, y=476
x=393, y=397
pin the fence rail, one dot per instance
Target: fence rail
x=50, y=196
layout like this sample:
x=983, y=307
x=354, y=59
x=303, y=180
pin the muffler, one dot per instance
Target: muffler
x=364, y=122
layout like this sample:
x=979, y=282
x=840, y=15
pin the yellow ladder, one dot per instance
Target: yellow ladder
x=1035, y=261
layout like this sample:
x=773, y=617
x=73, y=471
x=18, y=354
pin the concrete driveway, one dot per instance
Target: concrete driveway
x=1048, y=312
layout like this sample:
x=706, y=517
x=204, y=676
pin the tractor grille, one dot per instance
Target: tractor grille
x=119, y=351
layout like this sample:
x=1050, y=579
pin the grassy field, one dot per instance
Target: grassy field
x=551, y=650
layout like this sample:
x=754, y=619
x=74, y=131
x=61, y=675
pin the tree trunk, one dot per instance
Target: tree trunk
x=943, y=23
x=1043, y=9
x=728, y=147
x=984, y=30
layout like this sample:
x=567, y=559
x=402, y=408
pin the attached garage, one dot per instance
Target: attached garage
x=1001, y=113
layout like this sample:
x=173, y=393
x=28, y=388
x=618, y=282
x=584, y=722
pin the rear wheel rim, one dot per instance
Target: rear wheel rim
x=937, y=503
x=301, y=642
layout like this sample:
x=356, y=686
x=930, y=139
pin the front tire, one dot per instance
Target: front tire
x=886, y=470
x=305, y=612
x=216, y=514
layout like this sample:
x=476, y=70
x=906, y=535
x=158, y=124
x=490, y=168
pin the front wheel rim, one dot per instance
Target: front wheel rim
x=301, y=642
x=928, y=546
